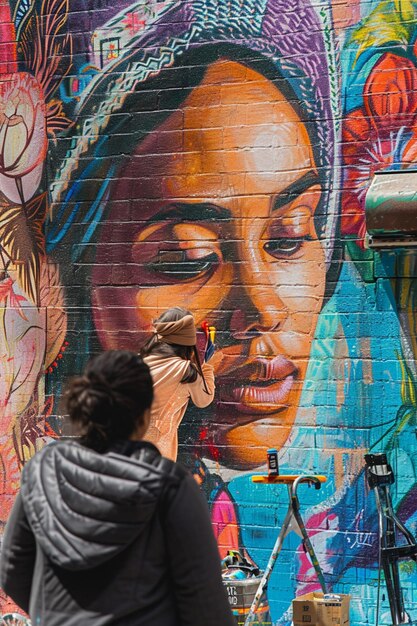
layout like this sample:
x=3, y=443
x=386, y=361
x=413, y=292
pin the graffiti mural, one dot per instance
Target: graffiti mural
x=215, y=155
x=32, y=314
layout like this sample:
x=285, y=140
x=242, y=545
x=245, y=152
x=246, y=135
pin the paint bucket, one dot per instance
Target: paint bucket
x=241, y=580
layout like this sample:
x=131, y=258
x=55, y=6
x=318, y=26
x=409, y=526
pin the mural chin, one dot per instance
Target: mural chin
x=243, y=447
x=237, y=434
x=242, y=444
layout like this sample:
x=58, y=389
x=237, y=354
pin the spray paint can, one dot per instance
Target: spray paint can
x=273, y=468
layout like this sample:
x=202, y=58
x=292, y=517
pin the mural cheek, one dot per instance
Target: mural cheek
x=115, y=318
x=201, y=298
x=118, y=310
x=302, y=289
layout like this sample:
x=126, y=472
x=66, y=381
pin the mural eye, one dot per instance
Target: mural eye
x=284, y=247
x=183, y=264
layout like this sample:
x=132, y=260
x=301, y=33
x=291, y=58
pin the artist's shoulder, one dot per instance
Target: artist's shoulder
x=171, y=363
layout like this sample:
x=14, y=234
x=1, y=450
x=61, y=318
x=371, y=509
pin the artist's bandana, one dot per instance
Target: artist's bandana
x=180, y=332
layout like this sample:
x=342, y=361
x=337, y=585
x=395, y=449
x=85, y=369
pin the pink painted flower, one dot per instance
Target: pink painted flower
x=23, y=139
x=379, y=135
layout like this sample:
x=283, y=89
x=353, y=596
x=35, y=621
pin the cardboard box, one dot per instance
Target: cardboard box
x=313, y=609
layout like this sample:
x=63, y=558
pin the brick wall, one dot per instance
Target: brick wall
x=215, y=155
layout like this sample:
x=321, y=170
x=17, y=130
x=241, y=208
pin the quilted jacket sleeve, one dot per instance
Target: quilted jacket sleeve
x=194, y=560
x=17, y=559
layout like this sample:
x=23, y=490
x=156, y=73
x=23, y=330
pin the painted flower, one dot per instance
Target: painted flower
x=23, y=139
x=10, y=298
x=379, y=135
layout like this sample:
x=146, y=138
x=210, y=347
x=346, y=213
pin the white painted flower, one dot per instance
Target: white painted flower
x=23, y=138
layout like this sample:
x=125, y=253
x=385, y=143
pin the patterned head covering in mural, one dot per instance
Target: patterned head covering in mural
x=292, y=35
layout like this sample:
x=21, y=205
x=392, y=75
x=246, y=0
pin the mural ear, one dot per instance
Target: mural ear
x=51, y=296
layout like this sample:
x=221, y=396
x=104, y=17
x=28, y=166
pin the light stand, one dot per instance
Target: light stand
x=380, y=476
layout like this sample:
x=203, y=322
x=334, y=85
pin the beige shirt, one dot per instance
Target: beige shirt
x=171, y=398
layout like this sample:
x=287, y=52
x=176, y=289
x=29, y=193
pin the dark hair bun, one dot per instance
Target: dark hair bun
x=109, y=400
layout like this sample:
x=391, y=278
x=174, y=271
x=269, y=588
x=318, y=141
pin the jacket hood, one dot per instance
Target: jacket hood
x=85, y=507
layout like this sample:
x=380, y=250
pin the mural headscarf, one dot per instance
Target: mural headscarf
x=292, y=36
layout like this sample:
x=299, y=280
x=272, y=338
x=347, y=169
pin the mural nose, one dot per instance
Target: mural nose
x=248, y=323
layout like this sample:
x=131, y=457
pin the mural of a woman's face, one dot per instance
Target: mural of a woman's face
x=218, y=205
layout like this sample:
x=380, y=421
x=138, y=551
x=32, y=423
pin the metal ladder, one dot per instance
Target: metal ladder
x=292, y=522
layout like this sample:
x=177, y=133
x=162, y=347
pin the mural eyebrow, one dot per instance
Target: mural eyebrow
x=191, y=212
x=310, y=179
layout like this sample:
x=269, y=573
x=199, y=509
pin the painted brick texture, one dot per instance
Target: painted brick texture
x=215, y=155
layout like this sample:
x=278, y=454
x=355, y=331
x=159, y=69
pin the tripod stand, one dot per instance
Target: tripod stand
x=380, y=476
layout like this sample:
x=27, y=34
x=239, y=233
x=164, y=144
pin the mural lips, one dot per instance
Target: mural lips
x=264, y=387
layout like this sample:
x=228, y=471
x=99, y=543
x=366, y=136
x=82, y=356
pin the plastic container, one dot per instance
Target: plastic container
x=273, y=467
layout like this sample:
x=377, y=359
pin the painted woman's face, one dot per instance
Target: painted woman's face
x=215, y=212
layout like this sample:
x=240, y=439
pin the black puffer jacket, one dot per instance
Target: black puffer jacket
x=120, y=538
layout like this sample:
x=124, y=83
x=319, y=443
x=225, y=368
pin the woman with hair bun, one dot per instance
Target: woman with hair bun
x=106, y=531
x=172, y=356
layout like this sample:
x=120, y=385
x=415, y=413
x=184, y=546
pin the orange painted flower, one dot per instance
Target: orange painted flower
x=379, y=135
x=23, y=139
